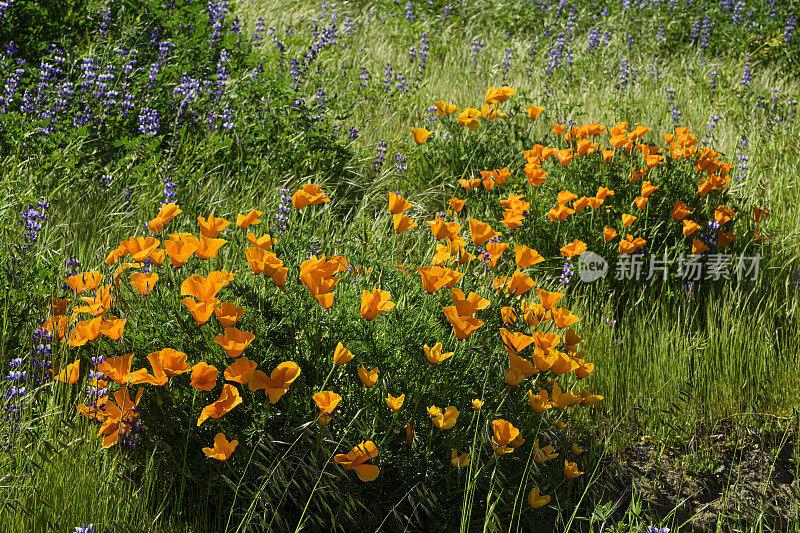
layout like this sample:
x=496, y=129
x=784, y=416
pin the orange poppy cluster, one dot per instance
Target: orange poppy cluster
x=533, y=352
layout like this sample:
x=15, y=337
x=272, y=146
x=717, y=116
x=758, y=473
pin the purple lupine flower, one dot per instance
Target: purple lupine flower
x=710, y=126
x=747, y=74
x=422, y=54
x=675, y=110
x=282, y=217
x=380, y=156
x=170, y=194
x=363, y=78
x=410, y=11
x=148, y=122
x=387, y=77
x=788, y=31
x=506, y=63
x=258, y=36
x=400, y=163
x=476, y=47
x=713, y=82
x=741, y=159
x=567, y=272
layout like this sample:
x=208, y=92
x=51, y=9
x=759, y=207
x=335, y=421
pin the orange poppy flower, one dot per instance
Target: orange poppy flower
x=341, y=355
x=574, y=248
x=395, y=404
x=504, y=433
x=212, y=227
x=515, y=285
x=698, y=247
x=201, y=311
x=534, y=111
x=499, y=95
x=397, y=204
x=234, y=341
x=463, y=326
x=680, y=211
x=280, y=378
x=494, y=250
x=648, y=188
x=201, y=288
x=164, y=216
x=481, y=232
x=179, y=251
x=456, y=204
x=85, y=281
x=629, y=244
x=356, y=458
x=228, y=314
x=571, y=470
x=118, y=415
x=227, y=401
x=209, y=248
x=535, y=174
x=140, y=247
x=468, y=305
x=580, y=204
x=117, y=368
x=144, y=283
x=640, y=202
x=265, y=242
x=563, y=317
x=539, y=402
x=444, y=230
x=374, y=303
x=436, y=277
x=326, y=402
x=240, y=371
x=368, y=377
x=444, y=108
x=689, y=227
x=469, y=118
x=71, y=374
x=204, y=376
x=559, y=213
x=514, y=342
x=609, y=234
x=724, y=238
x=558, y=129
x=420, y=135
x=561, y=400
x=603, y=193
x=402, y=223
x=723, y=214
x=249, y=219
x=627, y=219
x=172, y=361
x=526, y=257
x=222, y=449
x=564, y=156
x=508, y=315
x=760, y=214
x=434, y=355
x=85, y=331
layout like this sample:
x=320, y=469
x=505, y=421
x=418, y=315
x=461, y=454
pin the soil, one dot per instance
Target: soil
x=742, y=485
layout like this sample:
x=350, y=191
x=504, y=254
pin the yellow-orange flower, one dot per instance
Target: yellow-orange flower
x=234, y=341
x=204, y=376
x=368, y=377
x=374, y=303
x=434, y=355
x=309, y=195
x=222, y=449
x=395, y=404
x=536, y=499
x=251, y=218
x=504, y=434
x=356, y=458
x=212, y=227
x=420, y=135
